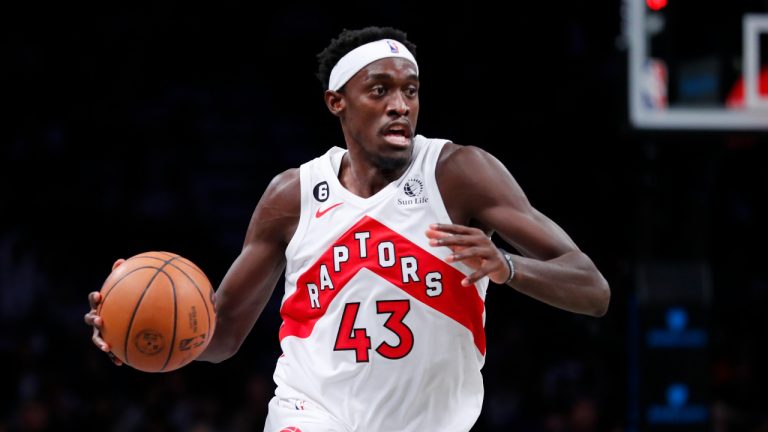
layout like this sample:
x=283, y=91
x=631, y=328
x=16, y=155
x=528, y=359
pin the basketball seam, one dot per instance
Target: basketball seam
x=191, y=265
x=135, y=309
x=149, y=255
x=109, y=291
x=138, y=304
x=207, y=312
x=182, y=260
x=175, y=323
x=199, y=291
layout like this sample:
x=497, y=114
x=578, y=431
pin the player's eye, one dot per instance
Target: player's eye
x=412, y=91
x=378, y=90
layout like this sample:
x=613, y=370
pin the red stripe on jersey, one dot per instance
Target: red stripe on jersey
x=462, y=304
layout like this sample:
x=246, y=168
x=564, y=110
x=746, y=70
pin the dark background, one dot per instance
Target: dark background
x=159, y=129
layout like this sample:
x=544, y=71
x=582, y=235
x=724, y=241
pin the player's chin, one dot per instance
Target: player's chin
x=393, y=161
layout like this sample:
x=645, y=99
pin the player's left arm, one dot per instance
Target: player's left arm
x=479, y=190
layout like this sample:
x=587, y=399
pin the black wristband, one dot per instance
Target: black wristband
x=508, y=257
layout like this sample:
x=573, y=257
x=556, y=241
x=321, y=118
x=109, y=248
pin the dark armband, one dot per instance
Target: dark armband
x=508, y=257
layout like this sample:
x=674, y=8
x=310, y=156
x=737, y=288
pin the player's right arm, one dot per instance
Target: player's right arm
x=251, y=279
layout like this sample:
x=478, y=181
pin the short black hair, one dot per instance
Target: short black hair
x=351, y=39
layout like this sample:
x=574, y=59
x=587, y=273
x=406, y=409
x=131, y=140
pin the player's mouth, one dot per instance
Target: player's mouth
x=398, y=133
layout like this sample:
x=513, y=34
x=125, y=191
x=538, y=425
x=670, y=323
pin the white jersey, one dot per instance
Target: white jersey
x=377, y=329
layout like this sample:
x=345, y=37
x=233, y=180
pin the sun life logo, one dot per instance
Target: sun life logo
x=413, y=187
x=413, y=192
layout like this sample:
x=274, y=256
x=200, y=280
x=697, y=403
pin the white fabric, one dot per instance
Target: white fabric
x=437, y=384
x=364, y=55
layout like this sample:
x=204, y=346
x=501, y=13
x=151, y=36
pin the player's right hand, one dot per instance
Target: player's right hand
x=93, y=319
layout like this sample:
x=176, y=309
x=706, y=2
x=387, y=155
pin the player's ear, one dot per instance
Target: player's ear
x=334, y=101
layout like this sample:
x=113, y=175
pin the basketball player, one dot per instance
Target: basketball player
x=387, y=255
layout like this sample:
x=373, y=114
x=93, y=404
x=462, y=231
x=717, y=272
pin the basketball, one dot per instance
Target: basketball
x=157, y=311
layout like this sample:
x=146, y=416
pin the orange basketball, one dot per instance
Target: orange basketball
x=157, y=311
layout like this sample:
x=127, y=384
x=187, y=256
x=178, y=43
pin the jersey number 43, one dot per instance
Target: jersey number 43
x=357, y=339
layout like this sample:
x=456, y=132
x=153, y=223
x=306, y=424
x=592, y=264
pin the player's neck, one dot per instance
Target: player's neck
x=363, y=178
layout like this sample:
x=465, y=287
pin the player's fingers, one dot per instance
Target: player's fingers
x=92, y=319
x=114, y=359
x=497, y=271
x=117, y=263
x=459, y=240
x=436, y=237
x=474, y=277
x=98, y=341
x=94, y=298
x=470, y=252
x=454, y=229
x=435, y=234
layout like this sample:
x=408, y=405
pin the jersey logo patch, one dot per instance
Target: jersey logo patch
x=413, y=187
x=412, y=192
x=319, y=213
x=320, y=191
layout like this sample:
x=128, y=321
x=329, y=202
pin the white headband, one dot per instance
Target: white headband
x=364, y=55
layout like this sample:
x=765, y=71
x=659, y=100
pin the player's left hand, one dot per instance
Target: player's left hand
x=472, y=247
x=93, y=319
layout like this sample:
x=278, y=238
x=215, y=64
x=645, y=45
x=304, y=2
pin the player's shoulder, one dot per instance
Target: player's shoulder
x=460, y=160
x=460, y=151
x=285, y=188
x=286, y=179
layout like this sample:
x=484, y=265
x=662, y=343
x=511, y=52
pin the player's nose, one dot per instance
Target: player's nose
x=398, y=105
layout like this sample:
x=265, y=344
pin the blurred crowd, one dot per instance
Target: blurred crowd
x=125, y=138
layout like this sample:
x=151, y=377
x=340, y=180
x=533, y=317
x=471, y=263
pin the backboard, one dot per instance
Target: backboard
x=698, y=65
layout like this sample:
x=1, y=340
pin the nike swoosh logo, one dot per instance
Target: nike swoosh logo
x=320, y=214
